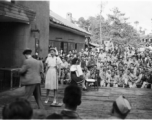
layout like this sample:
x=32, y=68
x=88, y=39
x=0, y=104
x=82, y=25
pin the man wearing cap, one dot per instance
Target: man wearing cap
x=31, y=78
x=121, y=108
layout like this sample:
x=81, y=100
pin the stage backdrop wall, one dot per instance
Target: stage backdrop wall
x=15, y=36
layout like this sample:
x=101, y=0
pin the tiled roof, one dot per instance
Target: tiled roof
x=9, y=11
x=62, y=21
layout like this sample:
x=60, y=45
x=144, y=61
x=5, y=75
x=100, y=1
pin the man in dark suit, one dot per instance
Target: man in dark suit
x=31, y=77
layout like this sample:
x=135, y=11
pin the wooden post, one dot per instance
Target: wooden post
x=11, y=79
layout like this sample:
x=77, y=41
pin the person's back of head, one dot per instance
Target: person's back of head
x=121, y=107
x=72, y=96
x=55, y=116
x=19, y=109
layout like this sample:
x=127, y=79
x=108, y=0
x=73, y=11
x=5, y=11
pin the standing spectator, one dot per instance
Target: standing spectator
x=64, y=67
x=31, y=77
x=91, y=62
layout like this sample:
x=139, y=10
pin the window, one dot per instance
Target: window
x=37, y=45
x=75, y=46
x=69, y=47
x=57, y=45
x=65, y=47
x=62, y=45
x=51, y=43
x=72, y=46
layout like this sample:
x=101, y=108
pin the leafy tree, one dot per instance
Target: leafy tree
x=115, y=28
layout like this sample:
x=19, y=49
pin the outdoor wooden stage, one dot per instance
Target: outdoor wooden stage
x=95, y=104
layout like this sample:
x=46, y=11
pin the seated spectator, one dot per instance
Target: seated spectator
x=121, y=108
x=19, y=109
x=148, y=81
x=54, y=116
x=72, y=98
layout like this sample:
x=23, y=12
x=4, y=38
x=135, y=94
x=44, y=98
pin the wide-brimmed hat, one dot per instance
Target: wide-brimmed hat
x=123, y=105
x=27, y=51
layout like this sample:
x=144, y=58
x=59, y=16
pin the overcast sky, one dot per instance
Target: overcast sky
x=136, y=10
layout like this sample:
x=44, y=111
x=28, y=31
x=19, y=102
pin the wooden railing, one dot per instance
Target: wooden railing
x=9, y=79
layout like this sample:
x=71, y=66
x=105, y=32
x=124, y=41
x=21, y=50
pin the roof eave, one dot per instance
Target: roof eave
x=63, y=27
x=15, y=13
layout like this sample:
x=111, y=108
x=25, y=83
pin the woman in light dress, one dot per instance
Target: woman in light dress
x=53, y=64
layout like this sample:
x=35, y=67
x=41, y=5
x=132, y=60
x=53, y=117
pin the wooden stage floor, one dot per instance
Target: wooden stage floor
x=95, y=104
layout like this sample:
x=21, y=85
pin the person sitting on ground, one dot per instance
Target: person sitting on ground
x=121, y=79
x=148, y=80
x=19, y=109
x=72, y=98
x=121, y=108
x=103, y=77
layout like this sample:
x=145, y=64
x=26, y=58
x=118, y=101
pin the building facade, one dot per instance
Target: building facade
x=31, y=24
x=22, y=27
x=65, y=35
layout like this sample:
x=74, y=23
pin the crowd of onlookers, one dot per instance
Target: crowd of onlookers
x=111, y=67
x=125, y=67
x=21, y=108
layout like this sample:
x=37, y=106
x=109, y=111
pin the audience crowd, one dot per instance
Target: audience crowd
x=111, y=67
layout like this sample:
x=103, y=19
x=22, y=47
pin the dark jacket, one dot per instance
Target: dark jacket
x=70, y=114
x=30, y=71
x=83, y=64
x=91, y=63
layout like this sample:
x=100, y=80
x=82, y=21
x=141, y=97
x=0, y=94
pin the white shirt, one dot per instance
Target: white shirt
x=53, y=61
x=64, y=65
x=77, y=69
x=102, y=56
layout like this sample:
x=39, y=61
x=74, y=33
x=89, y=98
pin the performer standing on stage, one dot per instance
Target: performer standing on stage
x=53, y=64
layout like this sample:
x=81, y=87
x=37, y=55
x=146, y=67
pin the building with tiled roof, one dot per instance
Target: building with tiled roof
x=31, y=24
x=66, y=35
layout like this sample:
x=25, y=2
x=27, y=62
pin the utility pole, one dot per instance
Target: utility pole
x=100, y=25
x=102, y=5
